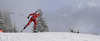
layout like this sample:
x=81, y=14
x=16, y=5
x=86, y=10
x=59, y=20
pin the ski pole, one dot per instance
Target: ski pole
x=23, y=15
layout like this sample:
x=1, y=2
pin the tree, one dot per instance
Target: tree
x=14, y=28
x=5, y=22
x=73, y=31
x=1, y=22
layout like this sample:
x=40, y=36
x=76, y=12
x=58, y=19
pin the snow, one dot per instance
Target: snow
x=48, y=36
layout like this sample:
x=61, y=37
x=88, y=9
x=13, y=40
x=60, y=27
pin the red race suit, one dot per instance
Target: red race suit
x=33, y=18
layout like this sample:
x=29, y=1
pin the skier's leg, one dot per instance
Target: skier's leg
x=28, y=23
x=35, y=24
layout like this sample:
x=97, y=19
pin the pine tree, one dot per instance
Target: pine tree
x=15, y=27
x=73, y=31
x=5, y=22
x=1, y=22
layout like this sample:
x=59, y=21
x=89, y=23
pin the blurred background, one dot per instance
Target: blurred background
x=59, y=15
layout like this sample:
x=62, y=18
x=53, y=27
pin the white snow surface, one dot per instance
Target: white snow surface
x=48, y=36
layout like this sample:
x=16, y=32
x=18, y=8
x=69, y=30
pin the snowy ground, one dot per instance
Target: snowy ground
x=48, y=36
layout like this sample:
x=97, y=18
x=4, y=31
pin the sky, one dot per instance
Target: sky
x=60, y=15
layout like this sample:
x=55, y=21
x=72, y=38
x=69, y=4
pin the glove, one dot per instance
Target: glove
x=27, y=17
x=24, y=28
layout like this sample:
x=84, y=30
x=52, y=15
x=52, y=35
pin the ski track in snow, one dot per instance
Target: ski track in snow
x=48, y=36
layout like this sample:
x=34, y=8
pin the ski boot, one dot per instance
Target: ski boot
x=35, y=31
x=22, y=29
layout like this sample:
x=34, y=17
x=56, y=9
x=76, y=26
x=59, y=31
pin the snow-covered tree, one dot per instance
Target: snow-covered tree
x=5, y=22
x=73, y=31
x=15, y=28
x=1, y=22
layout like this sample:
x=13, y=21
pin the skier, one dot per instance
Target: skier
x=33, y=18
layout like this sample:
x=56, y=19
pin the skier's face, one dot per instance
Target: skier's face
x=35, y=12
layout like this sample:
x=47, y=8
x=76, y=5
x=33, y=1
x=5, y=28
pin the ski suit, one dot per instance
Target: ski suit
x=33, y=18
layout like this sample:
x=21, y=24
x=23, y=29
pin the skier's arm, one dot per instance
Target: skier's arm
x=29, y=16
